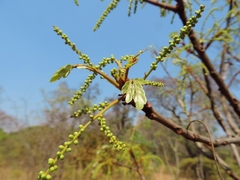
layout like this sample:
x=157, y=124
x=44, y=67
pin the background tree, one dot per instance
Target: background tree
x=198, y=78
x=201, y=98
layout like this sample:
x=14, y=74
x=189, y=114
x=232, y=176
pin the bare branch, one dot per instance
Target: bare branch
x=205, y=59
x=136, y=164
x=222, y=163
x=162, y=5
x=233, y=78
x=153, y=115
x=201, y=53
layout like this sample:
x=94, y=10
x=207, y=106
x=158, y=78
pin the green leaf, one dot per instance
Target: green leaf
x=125, y=87
x=62, y=72
x=130, y=93
x=55, y=77
x=134, y=91
x=68, y=67
x=139, y=96
x=67, y=73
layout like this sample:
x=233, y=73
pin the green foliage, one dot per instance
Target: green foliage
x=176, y=40
x=108, y=162
x=63, y=72
x=3, y=135
x=182, y=99
x=132, y=91
x=190, y=164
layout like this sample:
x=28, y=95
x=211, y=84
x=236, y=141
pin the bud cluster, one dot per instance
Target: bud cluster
x=105, y=61
x=83, y=89
x=90, y=111
x=110, y=7
x=67, y=40
x=154, y=83
x=112, y=139
x=177, y=38
x=65, y=147
x=76, y=2
x=85, y=59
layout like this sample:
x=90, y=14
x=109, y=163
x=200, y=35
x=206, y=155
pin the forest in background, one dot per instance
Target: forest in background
x=201, y=93
x=159, y=152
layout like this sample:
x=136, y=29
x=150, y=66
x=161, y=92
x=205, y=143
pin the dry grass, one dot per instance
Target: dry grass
x=17, y=174
x=162, y=175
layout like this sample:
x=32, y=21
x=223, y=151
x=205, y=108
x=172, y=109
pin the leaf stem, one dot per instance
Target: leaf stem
x=95, y=70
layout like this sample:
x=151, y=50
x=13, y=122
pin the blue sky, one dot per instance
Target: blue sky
x=30, y=51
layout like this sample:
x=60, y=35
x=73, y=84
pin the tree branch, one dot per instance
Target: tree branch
x=222, y=163
x=153, y=115
x=162, y=5
x=233, y=78
x=136, y=164
x=205, y=59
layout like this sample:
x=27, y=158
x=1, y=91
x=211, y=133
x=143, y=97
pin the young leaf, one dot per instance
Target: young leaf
x=140, y=101
x=134, y=91
x=139, y=96
x=125, y=87
x=55, y=77
x=130, y=93
x=62, y=72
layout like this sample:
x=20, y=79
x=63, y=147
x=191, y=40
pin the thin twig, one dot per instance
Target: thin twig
x=212, y=146
x=136, y=164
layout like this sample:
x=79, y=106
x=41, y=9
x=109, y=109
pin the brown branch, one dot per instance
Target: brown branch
x=222, y=65
x=225, y=46
x=221, y=162
x=198, y=80
x=201, y=53
x=152, y=114
x=214, y=108
x=234, y=76
x=232, y=124
x=232, y=56
x=122, y=165
x=162, y=5
x=207, y=62
x=220, y=120
x=212, y=146
x=219, y=33
x=136, y=164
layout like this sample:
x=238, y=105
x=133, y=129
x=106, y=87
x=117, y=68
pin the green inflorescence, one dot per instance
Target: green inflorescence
x=73, y=138
x=112, y=139
x=86, y=59
x=76, y=2
x=78, y=94
x=90, y=77
x=135, y=6
x=92, y=110
x=176, y=40
x=153, y=83
x=110, y=7
x=132, y=90
x=65, y=147
x=130, y=7
x=105, y=61
x=67, y=40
